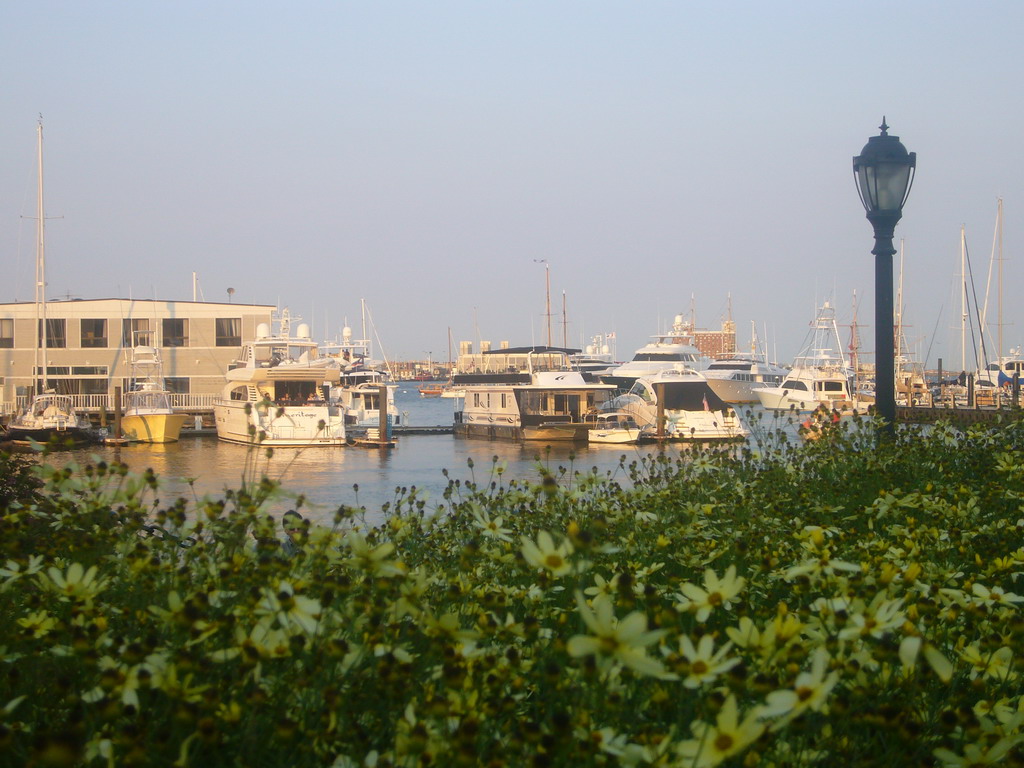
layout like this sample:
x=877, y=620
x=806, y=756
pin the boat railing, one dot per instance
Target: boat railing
x=185, y=402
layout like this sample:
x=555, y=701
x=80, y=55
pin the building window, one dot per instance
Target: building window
x=178, y=385
x=93, y=386
x=7, y=333
x=94, y=333
x=135, y=333
x=229, y=331
x=56, y=333
x=175, y=332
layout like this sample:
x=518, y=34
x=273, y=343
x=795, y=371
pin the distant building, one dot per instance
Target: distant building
x=715, y=343
x=89, y=342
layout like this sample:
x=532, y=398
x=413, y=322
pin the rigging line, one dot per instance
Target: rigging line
x=383, y=354
x=974, y=293
x=928, y=353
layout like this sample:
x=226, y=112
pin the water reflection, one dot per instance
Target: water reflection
x=360, y=477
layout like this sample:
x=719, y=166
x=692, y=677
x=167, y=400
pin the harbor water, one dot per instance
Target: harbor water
x=329, y=477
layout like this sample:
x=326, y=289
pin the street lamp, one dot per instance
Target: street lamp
x=884, y=172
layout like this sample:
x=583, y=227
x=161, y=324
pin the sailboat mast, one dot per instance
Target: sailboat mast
x=899, y=316
x=565, y=324
x=547, y=293
x=963, y=299
x=999, y=281
x=40, y=264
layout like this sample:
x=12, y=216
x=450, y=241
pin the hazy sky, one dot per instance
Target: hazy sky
x=423, y=155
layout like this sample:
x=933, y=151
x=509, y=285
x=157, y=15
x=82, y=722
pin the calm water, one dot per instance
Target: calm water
x=328, y=476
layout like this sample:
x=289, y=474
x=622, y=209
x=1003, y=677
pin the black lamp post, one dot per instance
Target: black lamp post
x=884, y=172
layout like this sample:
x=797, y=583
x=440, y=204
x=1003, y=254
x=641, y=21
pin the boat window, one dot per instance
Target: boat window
x=832, y=386
x=93, y=332
x=504, y=400
x=793, y=384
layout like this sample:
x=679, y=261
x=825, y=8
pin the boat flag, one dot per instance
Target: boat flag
x=706, y=408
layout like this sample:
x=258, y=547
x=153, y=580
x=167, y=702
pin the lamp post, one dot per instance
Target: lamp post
x=884, y=172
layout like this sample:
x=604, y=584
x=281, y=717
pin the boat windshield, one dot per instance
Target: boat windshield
x=148, y=400
x=665, y=357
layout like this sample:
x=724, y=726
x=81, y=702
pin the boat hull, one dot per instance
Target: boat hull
x=73, y=436
x=558, y=433
x=614, y=436
x=280, y=426
x=153, y=427
x=732, y=391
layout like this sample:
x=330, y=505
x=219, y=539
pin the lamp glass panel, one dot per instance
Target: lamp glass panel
x=866, y=179
x=891, y=185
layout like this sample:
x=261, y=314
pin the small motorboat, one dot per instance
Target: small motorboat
x=615, y=428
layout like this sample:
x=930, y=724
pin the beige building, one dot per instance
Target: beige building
x=89, y=341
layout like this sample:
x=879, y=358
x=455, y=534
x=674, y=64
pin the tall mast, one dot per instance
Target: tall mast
x=963, y=299
x=999, y=281
x=899, y=316
x=547, y=282
x=565, y=324
x=40, y=264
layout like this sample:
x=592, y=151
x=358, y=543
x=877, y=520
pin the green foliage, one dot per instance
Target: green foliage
x=836, y=602
x=18, y=484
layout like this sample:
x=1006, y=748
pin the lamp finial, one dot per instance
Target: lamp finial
x=883, y=127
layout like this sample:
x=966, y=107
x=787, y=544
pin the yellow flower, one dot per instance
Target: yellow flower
x=623, y=641
x=544, y=554
x=490, y=527
x=291, y=611
x=717, y=593
x=705, y=665
x=77, y=584
x=998, y=664
x=989, y=596
x=810, y=692
x=38, y=624
x=879, y=618
x=911, y=646
x=975, y=754
x=371, y=559
x=727, y=737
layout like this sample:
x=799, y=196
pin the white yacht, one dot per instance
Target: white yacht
x=358, y=389
x=691, y=410
x=597, y=359
x=736, y=378
x=820, y=373
x=668, y=351
x=148, y=415
x=279, y=392
x=1001, y=373
x=526, y=393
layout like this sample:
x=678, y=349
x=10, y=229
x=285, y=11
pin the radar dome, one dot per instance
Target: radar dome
x=346, y=333
x=302, y=331
x=262, y=331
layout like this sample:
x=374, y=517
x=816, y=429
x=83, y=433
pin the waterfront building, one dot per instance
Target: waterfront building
x=89, y=343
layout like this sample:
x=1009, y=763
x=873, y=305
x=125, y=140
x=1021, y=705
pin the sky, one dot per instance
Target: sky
x=440, y=160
